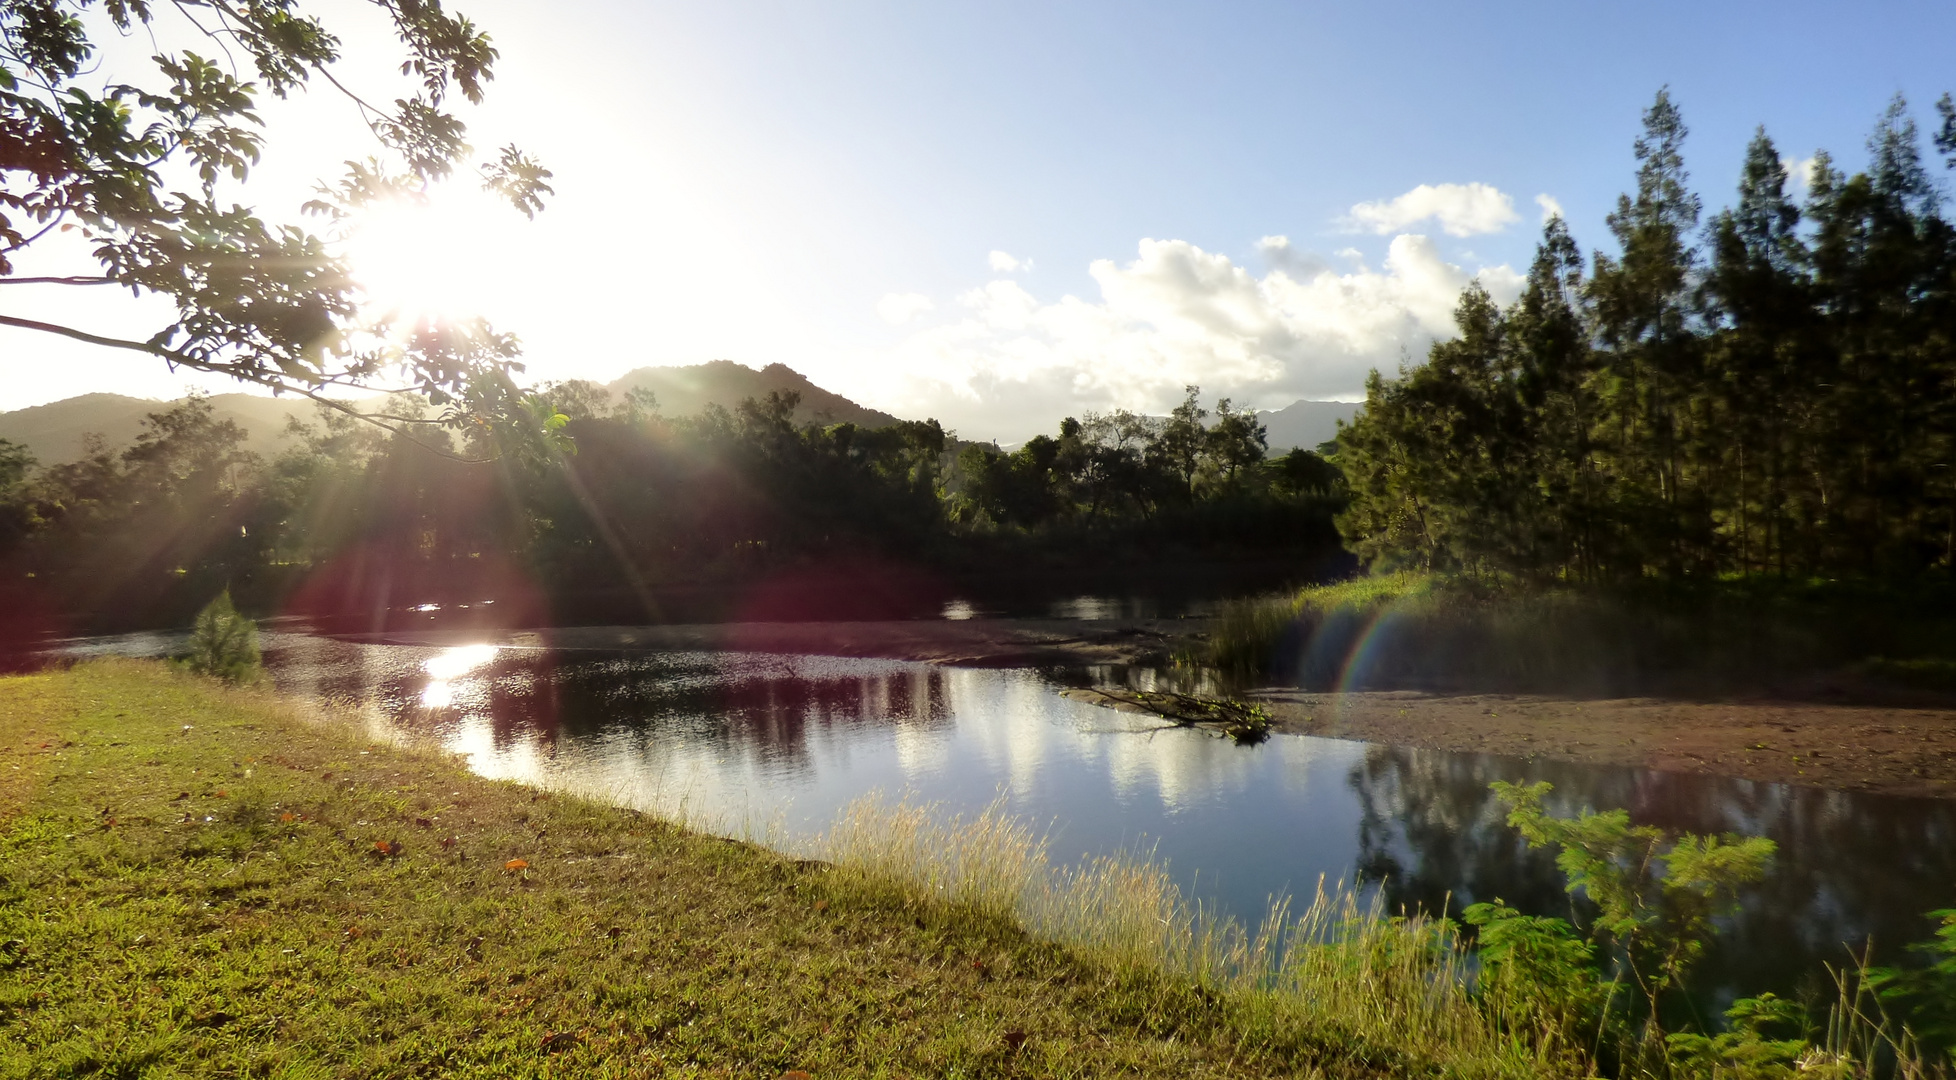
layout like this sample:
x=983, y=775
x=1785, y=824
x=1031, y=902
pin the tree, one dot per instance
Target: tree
x=145, y=170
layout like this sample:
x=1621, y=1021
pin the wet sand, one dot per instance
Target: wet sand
x=1862, y=747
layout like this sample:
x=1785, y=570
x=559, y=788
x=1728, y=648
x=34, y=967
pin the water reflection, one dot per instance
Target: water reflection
x=752, y=741
x=1851, y=869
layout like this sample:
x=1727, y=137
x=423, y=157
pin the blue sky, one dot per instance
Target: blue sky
x=824, y=185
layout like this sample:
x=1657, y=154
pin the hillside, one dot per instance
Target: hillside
x=54, y=432
x=684, y=391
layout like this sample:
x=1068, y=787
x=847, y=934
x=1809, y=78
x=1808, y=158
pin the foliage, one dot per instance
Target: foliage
x=1656, y=904
x=1746, y=1049
x=224, y=644
x=606, y=501
x=1541, y=969
x=145, y=168
x=1768, y=395
x=1926, y=994
x=1122, y=464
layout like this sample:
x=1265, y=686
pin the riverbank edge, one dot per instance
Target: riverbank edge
x=1860, y=743
x=216, y=879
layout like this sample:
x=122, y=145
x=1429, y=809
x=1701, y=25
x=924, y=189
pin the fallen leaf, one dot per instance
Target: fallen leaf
x=795, y=1074
x=821, y=905
x=447, y=842
x=560, y=1040
x=390, y=848
x=424, y=822
x=516, y=866
x=287, y=817
x=1014, y=1040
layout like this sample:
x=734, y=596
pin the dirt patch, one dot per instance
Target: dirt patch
x=1893, y=751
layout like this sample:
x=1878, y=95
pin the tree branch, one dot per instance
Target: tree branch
x=92, y=339
x=70, y=280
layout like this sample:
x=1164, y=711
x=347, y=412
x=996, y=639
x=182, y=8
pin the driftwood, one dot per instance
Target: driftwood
x=1241, y=721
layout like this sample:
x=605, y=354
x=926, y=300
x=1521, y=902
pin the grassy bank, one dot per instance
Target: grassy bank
x=198, y=882
x=1428, y=631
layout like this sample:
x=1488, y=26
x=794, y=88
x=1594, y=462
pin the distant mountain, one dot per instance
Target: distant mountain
x=684, y=391
x=1306, y=423
x=54, y=432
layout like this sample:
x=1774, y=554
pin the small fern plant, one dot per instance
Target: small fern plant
x=224, y=644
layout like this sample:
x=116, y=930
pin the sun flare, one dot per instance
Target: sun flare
x=438, y=259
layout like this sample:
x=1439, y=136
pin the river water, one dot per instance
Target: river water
x=774, y=745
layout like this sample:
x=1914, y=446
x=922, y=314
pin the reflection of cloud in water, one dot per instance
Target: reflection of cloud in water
x=1184, y=767
x=774, y=744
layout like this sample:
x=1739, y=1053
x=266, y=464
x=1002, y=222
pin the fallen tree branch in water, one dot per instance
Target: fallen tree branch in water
x=1244, y=722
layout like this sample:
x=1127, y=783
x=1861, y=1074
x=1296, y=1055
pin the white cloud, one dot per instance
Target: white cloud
x=1461, y=210
x=1280, y=255
x=900, y=308
x=1799, y=175
x=1003, y=263
x=1012, y=365
x=1550, y=207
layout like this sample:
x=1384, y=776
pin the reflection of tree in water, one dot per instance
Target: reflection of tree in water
x=1431, y=831
x=770, y=711
x=1850, y=867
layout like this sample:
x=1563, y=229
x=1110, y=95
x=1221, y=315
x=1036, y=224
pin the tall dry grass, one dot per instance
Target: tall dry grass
x=1338, y=972
x=1394, y=992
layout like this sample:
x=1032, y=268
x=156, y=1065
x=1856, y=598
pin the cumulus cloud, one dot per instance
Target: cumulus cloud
x=1550, y=207
x=1003, y=263
x=1280, y=255
x=1799, y=175
x=1012, y=364
x=900, y=308
x=1460, y=209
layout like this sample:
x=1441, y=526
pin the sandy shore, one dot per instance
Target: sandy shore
x=1893, y=751
x=1900, y=751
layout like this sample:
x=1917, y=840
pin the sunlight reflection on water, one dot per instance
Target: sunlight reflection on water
x=774, y=746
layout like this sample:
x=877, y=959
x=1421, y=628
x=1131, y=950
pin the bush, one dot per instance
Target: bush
x=224, y=644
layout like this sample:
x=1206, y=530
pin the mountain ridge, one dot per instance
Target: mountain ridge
x=55, y=432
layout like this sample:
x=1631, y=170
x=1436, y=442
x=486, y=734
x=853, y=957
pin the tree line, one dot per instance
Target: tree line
x=621, y=503
x=1767, y=392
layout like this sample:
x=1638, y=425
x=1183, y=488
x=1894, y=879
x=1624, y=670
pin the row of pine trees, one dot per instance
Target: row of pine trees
x=1769, y=392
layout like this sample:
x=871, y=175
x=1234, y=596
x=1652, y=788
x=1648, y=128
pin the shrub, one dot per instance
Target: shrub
x=224, y=644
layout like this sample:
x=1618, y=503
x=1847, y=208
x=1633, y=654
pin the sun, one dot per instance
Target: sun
x=436, y=260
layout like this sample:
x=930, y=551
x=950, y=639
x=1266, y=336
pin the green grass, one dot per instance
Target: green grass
x=193, y=883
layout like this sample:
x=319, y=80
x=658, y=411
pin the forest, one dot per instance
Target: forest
x=624, y=509
x=1767, y=393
